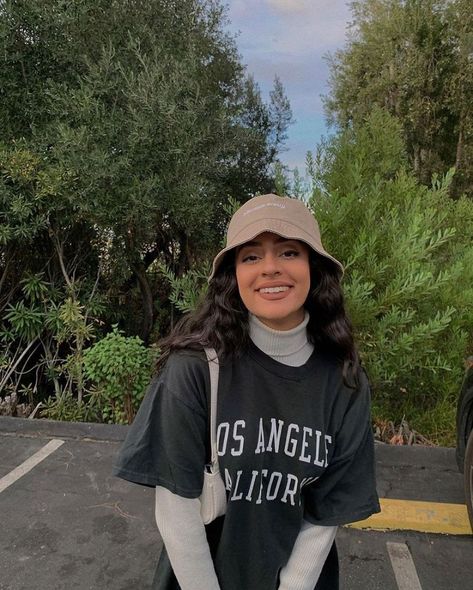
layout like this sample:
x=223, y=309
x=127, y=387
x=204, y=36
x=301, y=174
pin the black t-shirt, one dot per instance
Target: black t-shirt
x=293, y=443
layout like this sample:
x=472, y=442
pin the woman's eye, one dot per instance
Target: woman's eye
x=290, y=253
x=249, y=258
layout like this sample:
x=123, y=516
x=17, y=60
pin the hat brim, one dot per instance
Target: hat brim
x=250, y=235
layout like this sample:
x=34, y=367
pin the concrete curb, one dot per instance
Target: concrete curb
x=438, y=457
x=394, y=455
x=56, y=429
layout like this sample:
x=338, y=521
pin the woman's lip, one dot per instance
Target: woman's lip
x=274, y=296
x=273, y=286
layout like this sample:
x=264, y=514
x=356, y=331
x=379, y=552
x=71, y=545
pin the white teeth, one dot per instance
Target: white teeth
x=274, y=289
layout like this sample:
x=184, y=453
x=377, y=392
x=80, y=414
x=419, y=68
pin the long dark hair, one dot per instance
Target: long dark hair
x=221, y=319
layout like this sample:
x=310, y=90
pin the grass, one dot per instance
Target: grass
x=408, y=424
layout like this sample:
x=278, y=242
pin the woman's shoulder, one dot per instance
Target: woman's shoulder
x=351, y=382
x=332, y=364
x=185, y=375
x=186, y=357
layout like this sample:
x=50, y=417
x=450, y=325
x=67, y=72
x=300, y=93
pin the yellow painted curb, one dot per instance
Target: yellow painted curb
x=426, y=517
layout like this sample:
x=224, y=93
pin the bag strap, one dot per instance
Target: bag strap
x=212, y=359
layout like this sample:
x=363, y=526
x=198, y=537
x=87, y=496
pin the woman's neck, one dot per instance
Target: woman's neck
x=290, y=347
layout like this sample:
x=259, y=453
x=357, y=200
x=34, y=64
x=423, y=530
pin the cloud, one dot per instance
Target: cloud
x=304, y=80
x=294, y=26
x=289, y=38
x=239, y=9
x=290, y=6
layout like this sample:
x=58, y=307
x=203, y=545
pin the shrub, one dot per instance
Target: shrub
x=120, y=368
x=408, y=256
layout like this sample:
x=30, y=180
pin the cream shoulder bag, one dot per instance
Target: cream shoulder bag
x=213, y=501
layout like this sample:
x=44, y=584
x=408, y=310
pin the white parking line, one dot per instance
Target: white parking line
x=31, y=462
x=403, y=566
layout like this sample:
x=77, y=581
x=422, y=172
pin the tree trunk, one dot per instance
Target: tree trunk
x=184, y=254
x=147, y=297
x=416, y=159
x=459, y=154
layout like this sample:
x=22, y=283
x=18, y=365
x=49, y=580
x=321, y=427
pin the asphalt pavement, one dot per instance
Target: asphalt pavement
x=67, y=523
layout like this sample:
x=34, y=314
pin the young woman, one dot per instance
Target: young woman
x=294, y=436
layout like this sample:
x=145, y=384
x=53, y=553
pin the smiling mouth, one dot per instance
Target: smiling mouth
x=274, y=289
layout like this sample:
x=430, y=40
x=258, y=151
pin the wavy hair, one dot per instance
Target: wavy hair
x=221, y=319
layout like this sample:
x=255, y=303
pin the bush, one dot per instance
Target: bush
x=409, y=271
x=120, y=368
x=66, y=408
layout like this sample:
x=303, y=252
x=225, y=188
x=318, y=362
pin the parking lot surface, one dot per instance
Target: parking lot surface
x=67, y=523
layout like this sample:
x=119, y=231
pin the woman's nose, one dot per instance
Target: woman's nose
x=270, y=265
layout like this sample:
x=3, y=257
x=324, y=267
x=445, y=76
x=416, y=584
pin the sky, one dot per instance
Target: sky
x=289, y=38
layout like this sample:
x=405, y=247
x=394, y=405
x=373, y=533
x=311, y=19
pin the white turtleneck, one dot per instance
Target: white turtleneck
x=289, y=347
x=179, y=520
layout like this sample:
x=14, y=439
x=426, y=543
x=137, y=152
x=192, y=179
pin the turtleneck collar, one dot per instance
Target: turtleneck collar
x=289, y=347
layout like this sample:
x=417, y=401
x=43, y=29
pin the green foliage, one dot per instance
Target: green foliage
x=120, y=368
x=124, y=128
x=280, y=180
x=408, y=256
x=34, y=288
x=414, y=59
x=65, y=408
x=22, y=211
x=188, y=289
x=26, y=321
x=35, y=331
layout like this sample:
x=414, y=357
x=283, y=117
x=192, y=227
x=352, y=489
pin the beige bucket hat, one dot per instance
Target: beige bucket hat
x=284, y=216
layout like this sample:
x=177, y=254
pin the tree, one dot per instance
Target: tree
x=408, y=256
x=460, y=17
x=413, y=58
x=125, y=127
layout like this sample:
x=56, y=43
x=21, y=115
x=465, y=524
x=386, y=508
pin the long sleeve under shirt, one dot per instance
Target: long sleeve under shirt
x=181, y=526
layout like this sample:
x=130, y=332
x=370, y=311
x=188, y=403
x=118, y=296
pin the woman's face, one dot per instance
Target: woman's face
x=273, y=277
